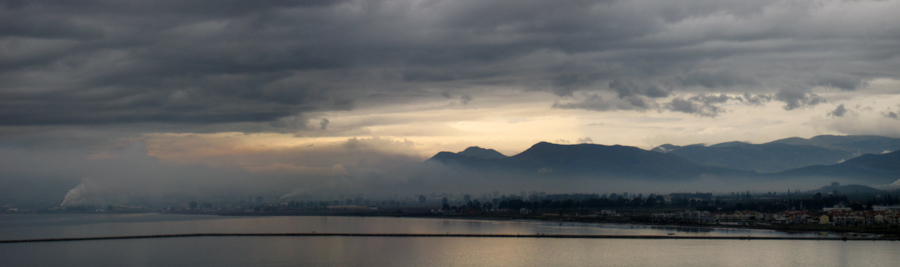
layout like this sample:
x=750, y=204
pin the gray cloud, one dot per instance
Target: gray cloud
x=755, y=100
x=700, y=104
x=841, y=81
x=693, y=107
x=717, y=79
x=839, y=111
x=892, y=115
x=704, y=105
x=235, y=64
x=465, y=99
x=628, y=88
x=323, y=125
x=682, y=105
x=712, y=99
x=795, y=99
x=597, y=103
x=284, y=124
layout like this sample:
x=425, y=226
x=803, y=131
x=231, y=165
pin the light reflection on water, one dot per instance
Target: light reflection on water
x=447, y=251
x=396, y=251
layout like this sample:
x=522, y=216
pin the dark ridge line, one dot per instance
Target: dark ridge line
x=446, y=235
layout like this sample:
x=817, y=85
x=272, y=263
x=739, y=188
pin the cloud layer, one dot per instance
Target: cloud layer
x=215, y=62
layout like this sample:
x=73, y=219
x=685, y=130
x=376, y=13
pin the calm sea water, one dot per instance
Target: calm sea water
x=397, y=251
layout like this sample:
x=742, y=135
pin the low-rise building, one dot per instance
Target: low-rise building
x=838, y=207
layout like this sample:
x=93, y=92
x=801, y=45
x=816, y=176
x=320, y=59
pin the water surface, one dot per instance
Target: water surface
x=405, y=251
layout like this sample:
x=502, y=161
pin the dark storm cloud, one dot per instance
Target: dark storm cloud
x=237, y=63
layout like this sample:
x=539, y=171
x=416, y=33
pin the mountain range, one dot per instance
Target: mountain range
x=855, y=158
x=784, y=154
x=869, y=167
x=584, y=160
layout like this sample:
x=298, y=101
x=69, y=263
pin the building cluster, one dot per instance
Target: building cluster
x=684, y=216
x=837, y=216
x=863, y=218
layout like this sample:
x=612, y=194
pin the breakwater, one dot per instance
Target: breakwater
x=401, y=235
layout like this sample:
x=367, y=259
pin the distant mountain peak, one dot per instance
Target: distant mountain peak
x=731, y=144
x=477, y=152
x=583, y=160
x=665, y=148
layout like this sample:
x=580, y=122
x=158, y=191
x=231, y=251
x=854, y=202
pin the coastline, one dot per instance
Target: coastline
x=420, y=235
x=881, y=232
x=884, y=233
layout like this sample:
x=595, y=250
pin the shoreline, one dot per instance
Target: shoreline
x=888, y=234
x=426, y=235
x=883, y=233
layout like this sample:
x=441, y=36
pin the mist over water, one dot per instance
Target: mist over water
x=135, y=178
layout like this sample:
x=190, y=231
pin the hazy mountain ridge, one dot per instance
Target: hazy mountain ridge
x=845, y=189
x=592, y=161
x=762, y=158
x=483, y=153
x=784, y=154
x=588, y=160
x=859, y=144
x=880, y=168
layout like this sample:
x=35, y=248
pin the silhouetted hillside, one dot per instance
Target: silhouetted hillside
x=769, y=157
x=857, y=144
x=729, y=161
x=784, y=154
x=882, y=168
x=846, y=189
x=478, y=152
x=585, y=160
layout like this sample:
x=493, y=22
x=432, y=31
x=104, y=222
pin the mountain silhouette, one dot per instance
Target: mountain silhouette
x=857, y=144
x=478, y=152
x=587, y=160
x=882, y=168
x=731, y=160
x=784, y=154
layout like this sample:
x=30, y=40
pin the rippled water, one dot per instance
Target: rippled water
x=404, y=251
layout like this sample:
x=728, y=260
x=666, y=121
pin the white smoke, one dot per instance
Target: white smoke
x=296, y=192
x=83, y=193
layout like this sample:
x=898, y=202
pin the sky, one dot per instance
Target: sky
x=301, y=91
